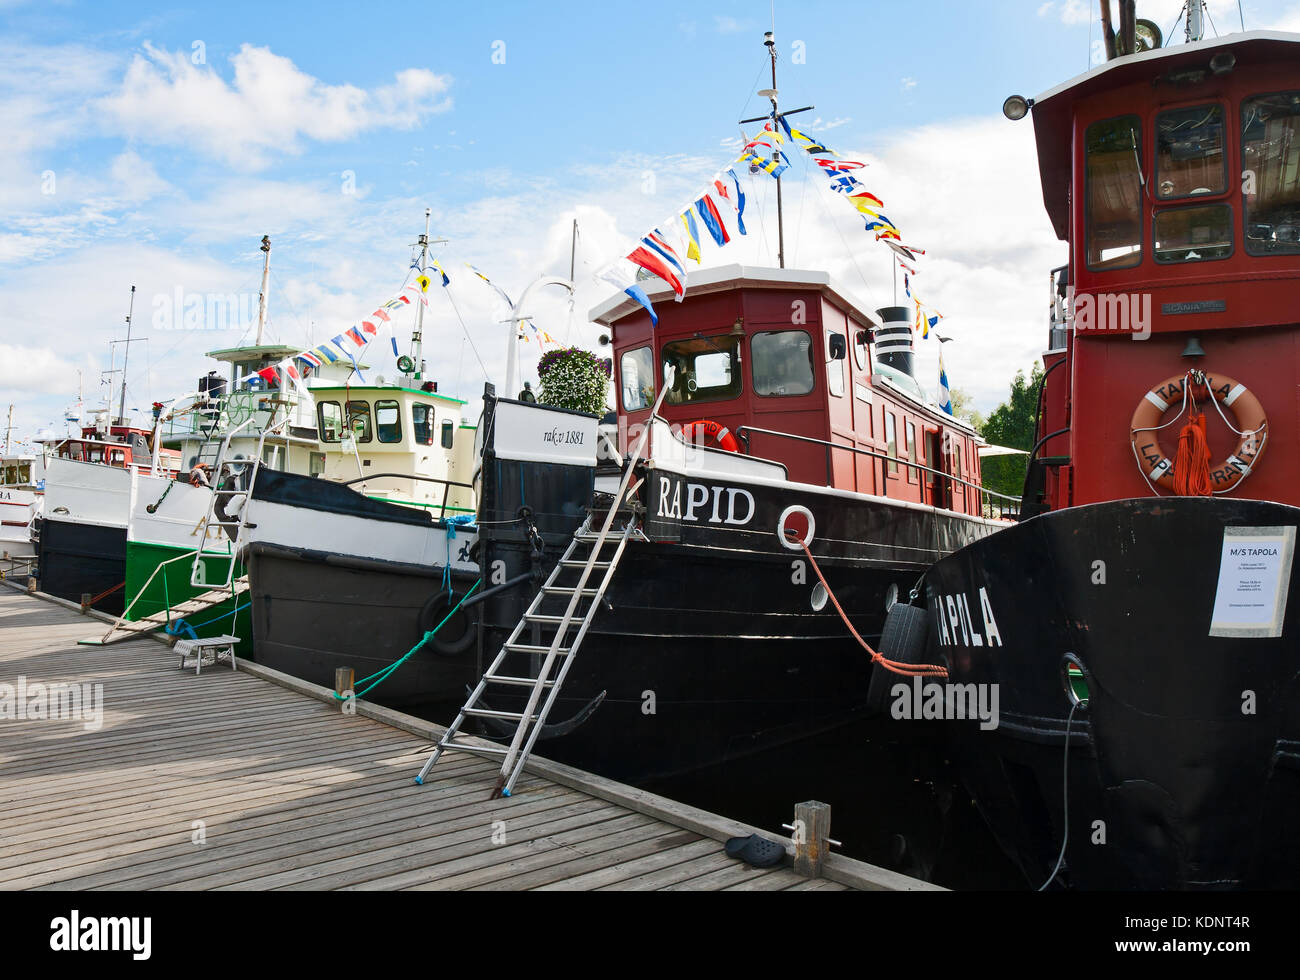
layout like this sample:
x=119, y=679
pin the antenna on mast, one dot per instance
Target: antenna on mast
x=775, y=117
x=417, y=335
x=121, y=405
x=261, y=297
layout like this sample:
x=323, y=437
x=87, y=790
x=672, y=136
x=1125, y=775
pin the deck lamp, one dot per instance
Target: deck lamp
x=1017, y=107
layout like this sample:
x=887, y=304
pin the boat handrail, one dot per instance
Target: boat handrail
x=446, y=487
x=744, y=430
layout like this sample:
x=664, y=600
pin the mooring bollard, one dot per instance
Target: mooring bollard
x=85, y=602
x=33, y=586
x=343, y=680
x=811, y=833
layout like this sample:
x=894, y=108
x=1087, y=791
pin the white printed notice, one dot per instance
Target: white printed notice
x=1254, y=580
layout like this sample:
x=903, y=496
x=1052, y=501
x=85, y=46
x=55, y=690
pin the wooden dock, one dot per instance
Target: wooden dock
x=249, y=780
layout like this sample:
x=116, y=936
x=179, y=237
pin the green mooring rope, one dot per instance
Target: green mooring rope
x=382, y=675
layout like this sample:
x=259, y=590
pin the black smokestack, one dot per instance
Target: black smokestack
x=894, y=339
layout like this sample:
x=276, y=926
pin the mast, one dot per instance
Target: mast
x=261, y=297
x=417, y=337
x=775, y=117
x=573, y=248
x=126, y=356
x=769, y=41
x=9, y=429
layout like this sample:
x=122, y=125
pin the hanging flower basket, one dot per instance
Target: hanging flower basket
x=575, y=379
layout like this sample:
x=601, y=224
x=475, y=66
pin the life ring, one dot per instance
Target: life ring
x=457, y=634
x=1157, y=466
x=715, y=431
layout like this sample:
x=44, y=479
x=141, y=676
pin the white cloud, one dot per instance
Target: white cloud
x=26, y=371
x=730, y=25
x=268, y=108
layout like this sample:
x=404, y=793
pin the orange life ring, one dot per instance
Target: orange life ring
x=1158, y=466
x=715, y=431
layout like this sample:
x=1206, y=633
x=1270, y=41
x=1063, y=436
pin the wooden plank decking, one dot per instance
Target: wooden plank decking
x=226, y=781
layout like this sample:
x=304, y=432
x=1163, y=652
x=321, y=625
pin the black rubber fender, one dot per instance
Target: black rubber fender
x=903, y=641
x=457, y=635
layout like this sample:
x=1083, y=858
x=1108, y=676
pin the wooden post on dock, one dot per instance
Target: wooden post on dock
x=343, y=680
x=812, y=837
x=33, y=586
x=85, y=602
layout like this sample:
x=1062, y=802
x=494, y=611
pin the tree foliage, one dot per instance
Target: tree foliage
x=1012, y=424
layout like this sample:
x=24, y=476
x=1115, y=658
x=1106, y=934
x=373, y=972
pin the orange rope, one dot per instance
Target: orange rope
x=903, y=670
x=1192, y=462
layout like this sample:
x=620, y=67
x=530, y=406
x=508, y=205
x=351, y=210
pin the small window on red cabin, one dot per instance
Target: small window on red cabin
x=707, y=369
x=835, y=366
x=912, y=473
x=1270, y=156
x=636, y=374
x=1198, y=234
x=1113, y=194
x=1190, y=157
x=891, y=441
x=782, y=364
x=861, y=348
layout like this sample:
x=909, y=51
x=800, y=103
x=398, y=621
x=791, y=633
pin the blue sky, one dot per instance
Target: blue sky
x=156, y=147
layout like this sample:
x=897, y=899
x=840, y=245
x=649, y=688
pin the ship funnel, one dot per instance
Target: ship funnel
x=894, y=339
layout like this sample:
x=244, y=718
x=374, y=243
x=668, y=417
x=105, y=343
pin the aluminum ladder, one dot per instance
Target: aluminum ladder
x=198, y=569
x=561, y=652
x=529, y=722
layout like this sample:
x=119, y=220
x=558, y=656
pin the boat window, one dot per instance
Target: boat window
x=329, y=421
x=448, y=434
x=782, y=363
x=708, y=369
x=835, y=366
x=891, y=441
x=315, y=464
x=1189, y=153
x=1114, y=194
x=1194, y=234
x=912, y=474
x=388, y=421
x=860, y=346
x=636, y=372
x=422, y=417
x=1271, y=162
x=359, y=420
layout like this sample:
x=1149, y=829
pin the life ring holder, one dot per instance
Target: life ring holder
x=716, y=431
x=807, y=515
x=1223, y=392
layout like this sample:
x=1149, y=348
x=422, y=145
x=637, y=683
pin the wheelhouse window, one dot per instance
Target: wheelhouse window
x=388, y=421
x=1271, y=160
x=708, y=369
x=1114, y=194
x=329, y=421
x=1190, y=161
x=1194, y=234
x=636, y=374
x=359, y=421
x=782, y=363
x=860, y=348
x=912, y=473
x=891, y=441
x=835, y=365
x=448, y=434
x=422, y=423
